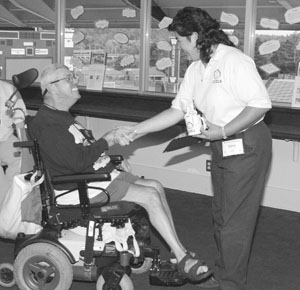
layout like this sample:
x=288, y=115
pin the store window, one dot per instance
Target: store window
x=104, y=44
x=277, y=47
x=112, y=34
x=167, y=62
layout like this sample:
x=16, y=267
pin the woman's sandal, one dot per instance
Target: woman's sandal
x=191, y=274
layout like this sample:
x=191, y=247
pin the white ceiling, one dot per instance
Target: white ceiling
x=41, y=13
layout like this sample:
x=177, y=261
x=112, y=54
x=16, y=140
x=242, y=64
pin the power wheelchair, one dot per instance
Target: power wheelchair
x=70, y=244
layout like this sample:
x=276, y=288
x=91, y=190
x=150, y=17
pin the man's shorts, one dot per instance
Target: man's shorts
x=117, y=188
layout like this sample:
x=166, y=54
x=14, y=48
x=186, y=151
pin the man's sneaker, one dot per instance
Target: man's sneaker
x=209, y=283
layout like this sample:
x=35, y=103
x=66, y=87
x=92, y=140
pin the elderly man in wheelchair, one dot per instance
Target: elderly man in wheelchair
x=68, y=150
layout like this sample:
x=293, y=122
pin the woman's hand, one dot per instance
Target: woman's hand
x=119, y=135
x=123, y=135
x=248, y=117
x=213, y=132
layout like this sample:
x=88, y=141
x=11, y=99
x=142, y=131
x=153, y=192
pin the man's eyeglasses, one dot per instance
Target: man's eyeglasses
x=72, y=78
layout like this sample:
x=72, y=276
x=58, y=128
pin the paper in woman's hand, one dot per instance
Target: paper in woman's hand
x=182, y=142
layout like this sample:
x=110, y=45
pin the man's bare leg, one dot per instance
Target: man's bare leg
x=159, y=188
x=150, y=199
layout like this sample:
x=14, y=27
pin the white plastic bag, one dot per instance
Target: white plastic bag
x=10, y=208
x=120, y=237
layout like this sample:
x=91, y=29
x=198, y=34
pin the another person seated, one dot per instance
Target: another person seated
x=68, y=148
x=10, y=122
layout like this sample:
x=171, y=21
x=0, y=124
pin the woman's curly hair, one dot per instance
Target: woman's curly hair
x=193, y=19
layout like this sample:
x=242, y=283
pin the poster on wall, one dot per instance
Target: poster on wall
x=96, y=71
x=95, y=77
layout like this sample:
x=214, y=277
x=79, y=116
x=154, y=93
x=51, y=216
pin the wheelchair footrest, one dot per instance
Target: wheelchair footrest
x=166, y=275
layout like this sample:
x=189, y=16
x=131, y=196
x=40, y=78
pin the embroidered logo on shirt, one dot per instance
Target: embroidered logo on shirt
x=217, y=77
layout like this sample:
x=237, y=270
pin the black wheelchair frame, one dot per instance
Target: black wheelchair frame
x=56, y=218
x=109, y=267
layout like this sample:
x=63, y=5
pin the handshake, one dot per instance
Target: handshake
x=122, y=135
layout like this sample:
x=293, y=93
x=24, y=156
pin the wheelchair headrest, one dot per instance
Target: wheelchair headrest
x=25, y=79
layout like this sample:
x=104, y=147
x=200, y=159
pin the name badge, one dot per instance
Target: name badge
x=232, y=147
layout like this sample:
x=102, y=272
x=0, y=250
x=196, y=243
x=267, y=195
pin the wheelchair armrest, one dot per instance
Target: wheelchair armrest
x=116, y=159
x=87, y=177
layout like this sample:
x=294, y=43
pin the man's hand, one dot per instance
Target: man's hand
x=110, y=138
x=123, y=136
x=119, y=135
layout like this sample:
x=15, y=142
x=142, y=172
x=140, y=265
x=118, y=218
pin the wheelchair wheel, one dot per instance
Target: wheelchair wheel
x=43, y=266
x=143, y=267
x=7, y=275
x=125, y=283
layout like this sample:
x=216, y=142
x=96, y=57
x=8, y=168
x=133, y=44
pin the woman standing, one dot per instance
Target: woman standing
x=224, y=85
